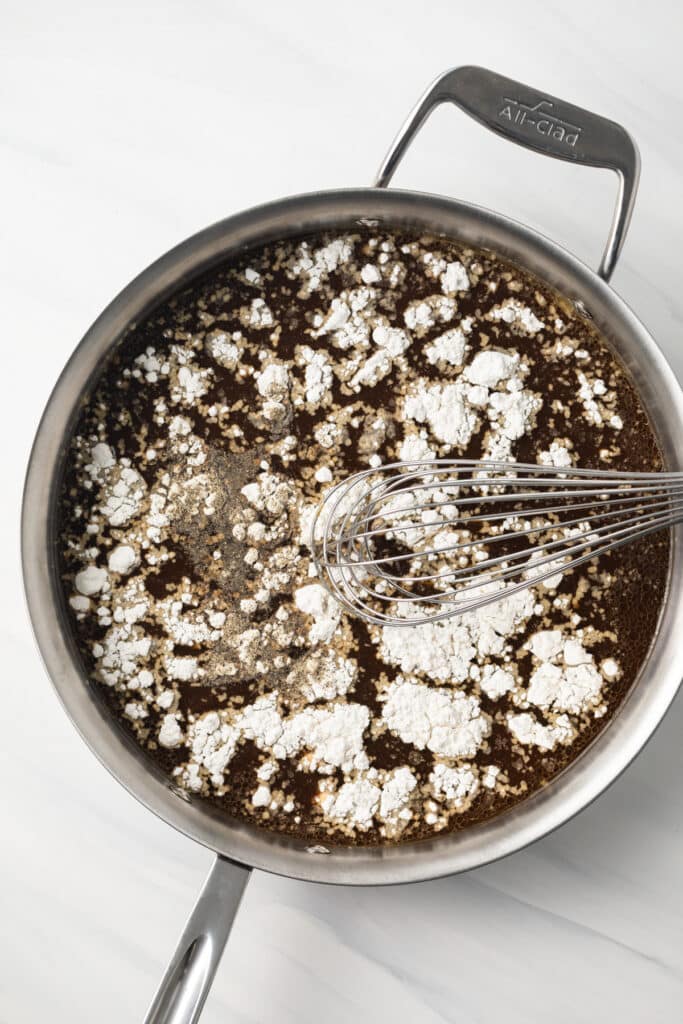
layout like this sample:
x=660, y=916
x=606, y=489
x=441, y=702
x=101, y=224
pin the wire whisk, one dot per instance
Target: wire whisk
x=416, y=542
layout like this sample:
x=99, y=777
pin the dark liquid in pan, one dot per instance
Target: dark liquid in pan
x=151, y=667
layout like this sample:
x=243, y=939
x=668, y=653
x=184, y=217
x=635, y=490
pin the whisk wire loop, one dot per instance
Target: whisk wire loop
x=422, y=540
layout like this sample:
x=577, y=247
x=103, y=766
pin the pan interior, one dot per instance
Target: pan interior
x=287, y=848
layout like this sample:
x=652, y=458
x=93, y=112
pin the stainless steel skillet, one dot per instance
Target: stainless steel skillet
x=532, y=119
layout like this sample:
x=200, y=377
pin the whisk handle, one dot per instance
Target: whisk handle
x=539, y=122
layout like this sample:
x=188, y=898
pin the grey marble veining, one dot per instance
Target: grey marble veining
x=126, y=127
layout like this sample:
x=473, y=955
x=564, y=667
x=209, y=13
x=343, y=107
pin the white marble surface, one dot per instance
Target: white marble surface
x=126, y=127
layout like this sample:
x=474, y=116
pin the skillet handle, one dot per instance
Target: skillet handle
x=537, y=121
x=186, y=984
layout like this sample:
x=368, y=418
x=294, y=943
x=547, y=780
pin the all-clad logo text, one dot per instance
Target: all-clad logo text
x=540, y=118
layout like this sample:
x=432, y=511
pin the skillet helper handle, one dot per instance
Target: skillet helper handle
x=186, y=984
x=537, y=121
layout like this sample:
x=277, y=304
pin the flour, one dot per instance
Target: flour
x=122, y=559
x=396, y=793
x=355, y=802
x=446, y=411
x=258, y=315
x=91, y=580
x=516, y=315
x=273, y=381
x=225, y=352
x=314, y=267
x=373, y=370
x=394, y=340
x=192, y=383
x=513, y=412
x=414, y=448
x=314, y=600
x=183, y=669
x=121, y=653
x=610, y=668
x=213, y=741
x=262, y=796
x=566, y=678
x=170, y=733
x=440, y=650
x=454, y=785
x=530, y=732
x=557, y=455
x=330, y=738
x=327, y=675
x=379, y=365
x=447, y=722
x=318, y=375
x=448, y=348
x=333, y=738
x=370, y=274
x=445, y=650
x=423, y=314
x=454, y=278
x=496, y=681
x=124, y=491
x=490, y=367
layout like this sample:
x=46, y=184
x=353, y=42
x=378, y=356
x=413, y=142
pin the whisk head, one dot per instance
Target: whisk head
x=415, y=542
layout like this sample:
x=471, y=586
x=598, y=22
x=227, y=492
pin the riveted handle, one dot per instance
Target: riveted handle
x=537, y=121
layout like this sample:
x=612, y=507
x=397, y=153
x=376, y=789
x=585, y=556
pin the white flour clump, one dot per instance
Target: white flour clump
x=566, y=678
x=225, y=352
x=355, y=802
x=170, y=733
x=122, y=559
x=447, y=722
x=455, y=785
x=491, y=388
x=444, y=408
x=373, y=370
x=546, y=644
x=557, y=455
x=455, y=279
x=448, y=348
x=91, y=580
x=316, y=601
x=396, y=791
x=192, y=383
x=393, y=339
x=257, y=315
x=183, y=669
x=422, y=314
x=496, y=681
x=415, y=447
x=333, y=737
x=273, y=381
x=314, y=267
x=445, y=650
x=327, y=674
x=318, y=374
x=519, y=316
x=212, y=741
x=122, y=653
x=123, y=492
x=441, y=650
x=529, y=731
x=375, y=794
x=489, y=367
